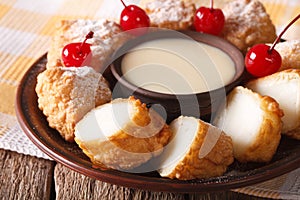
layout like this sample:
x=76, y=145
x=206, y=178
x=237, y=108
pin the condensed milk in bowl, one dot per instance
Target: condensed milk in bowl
x=178, y=73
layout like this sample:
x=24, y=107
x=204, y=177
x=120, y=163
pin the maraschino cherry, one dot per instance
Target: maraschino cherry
x=134, y=17
x=78, y=54
x=262, y=60
x=209, y=20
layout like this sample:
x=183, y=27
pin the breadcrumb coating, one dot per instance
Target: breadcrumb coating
x=247, y=23
x=134, y=143
x=108, y=36
x=194, y=166
x=254, y=123
x=284, y=86
x=171, y=14
x=290, y=54
x=65, y=95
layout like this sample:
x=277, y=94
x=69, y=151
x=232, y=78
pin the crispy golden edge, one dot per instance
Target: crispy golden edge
x=243, y=34
x=133, y=144
x=267, y=141
x=288, y=74
x=141, y=116
x=145, y=143
x=112, y=156
x=265, y=145
x=53, y=87
x=213, y=164
x=134, y=151
x=54, y=91
x=173, y=25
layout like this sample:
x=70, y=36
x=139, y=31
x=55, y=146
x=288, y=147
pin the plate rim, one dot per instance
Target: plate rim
x=159, y=184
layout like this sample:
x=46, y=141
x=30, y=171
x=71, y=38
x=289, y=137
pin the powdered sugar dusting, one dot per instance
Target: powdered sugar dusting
x=290, y=54
x=104, y=40
x=102, y=28
x=161, y=11
x=247, y=23
x=90, y=89
x=78, y=71
x=66, y=94
x=246, y=11
x=107, y=37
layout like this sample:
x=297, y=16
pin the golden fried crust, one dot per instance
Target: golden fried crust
x=284, y=86
x=142, y=117
x=133, y=144
x=267, y=138
x=215, y=163
x=154, y=144
x=290, y=54
x=105, y=154
x=267, y=141
x=170, y=14
x=65, y=95
x=108, y=36
x=247, y=24
x=148, y=132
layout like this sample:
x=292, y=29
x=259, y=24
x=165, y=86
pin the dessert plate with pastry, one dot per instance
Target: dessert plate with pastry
x=67, y=107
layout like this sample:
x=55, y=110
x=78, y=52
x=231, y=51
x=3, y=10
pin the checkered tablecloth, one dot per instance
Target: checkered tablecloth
x=26, y=27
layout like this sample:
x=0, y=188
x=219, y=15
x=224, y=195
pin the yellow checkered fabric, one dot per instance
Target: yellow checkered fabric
x=26, y=27
x=281, y=13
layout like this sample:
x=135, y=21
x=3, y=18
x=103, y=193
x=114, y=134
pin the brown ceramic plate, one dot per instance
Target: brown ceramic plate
x=49, y=141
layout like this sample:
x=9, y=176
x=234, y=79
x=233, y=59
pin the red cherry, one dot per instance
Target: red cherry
x=262, y=60
x=209, y=20
x=133, y=17
x=78, y=54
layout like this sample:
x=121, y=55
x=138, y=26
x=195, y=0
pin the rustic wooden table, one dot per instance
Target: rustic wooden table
x=27, y=177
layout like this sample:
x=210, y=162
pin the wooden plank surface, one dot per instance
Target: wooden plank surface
x=72, y=185
x=24, y=177
x=27, y=177
x=222, y=196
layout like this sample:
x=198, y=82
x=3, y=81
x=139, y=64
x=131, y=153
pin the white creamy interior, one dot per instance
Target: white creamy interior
x=288, y=99
x=78, y=71
x=104, y=121
x=88, y=129
x=177, y=66
x=241, y=121
x=184, y=130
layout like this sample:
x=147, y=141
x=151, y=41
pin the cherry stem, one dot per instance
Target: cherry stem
x=88, y=36
x=123, y=4
x=282, y=32
x=211, y=4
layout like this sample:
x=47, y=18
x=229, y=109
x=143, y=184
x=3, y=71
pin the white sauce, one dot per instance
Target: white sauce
x=177, y=66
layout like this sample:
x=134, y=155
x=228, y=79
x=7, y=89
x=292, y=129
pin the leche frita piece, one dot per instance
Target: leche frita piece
x=196, y=150
x=170, y=14
x=284, y=87
x=66, y=94
x=247, y=23
x=253, y=122
x=107, y=37
x=122, y=134
x=290, y=54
